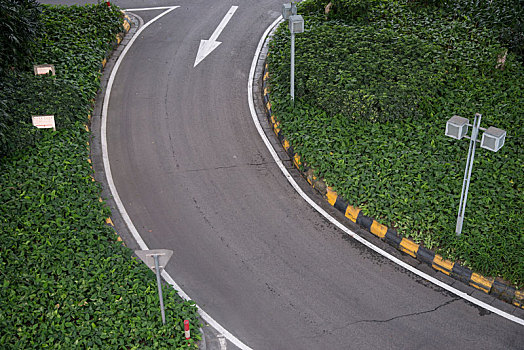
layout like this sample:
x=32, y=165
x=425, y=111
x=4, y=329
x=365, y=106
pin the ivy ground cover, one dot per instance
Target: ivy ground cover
x=66, y=282
x=375, y=83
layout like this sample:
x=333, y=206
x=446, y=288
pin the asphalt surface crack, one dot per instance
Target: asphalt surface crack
x=226, y=167
x=330, y=332
x=406, y=315
x=214, y=168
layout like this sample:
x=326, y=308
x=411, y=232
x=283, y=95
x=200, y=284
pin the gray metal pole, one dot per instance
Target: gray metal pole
x=293, y=66
x=467, y=173
x=157, y=270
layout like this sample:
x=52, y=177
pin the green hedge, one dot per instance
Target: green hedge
x=19, y=26
x=23, y=96
x=75, y=43
x=503, y=18
x=372, y=100
x=66, y=280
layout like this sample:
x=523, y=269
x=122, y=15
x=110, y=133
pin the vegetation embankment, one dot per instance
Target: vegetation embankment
x=375, y=83
x=66, y=280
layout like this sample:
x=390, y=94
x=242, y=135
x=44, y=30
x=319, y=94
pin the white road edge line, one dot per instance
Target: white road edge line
x=222, y=341
x=118, y=201
x=332, y=219
x=151, y=8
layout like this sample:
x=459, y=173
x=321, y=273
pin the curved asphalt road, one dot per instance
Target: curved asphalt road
x=196, y=178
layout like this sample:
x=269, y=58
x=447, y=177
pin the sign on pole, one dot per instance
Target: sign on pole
x=156, y=260
x=147, y=256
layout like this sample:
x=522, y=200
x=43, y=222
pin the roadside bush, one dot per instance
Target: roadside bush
x=19, y=26
x=372, y=100
x=73, y=40
x=505, y=18
x=24, y=95
x=385, y=71
x=67, y=282
x=344, y=10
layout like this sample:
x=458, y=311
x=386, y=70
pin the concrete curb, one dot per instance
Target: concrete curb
x=495, y=287
x=114, y=44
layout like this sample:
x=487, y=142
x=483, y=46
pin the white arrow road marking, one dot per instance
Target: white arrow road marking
x=207, y=46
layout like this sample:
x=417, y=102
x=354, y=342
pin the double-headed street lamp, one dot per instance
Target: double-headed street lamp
x=296, y=25
x=492, y=139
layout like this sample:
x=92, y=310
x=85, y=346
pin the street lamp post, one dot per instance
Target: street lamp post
x=492, y=139
x=289, y=9
x=296, y=25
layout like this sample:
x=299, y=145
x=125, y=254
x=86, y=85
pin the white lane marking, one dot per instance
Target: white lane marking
x=288, y=176
x=118, y=201
x=151, y=8
x=207, y=46
x=222, y=341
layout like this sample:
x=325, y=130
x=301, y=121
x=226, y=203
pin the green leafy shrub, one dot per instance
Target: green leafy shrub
x=73, y=40
x=385, y=70
x=505, y=18
x=66, y=280
x=25, y=96
x=345, y=10
x=372, y=100
x=19, y=26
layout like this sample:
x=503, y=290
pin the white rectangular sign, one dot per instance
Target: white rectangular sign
x=44, y=69
x=44, y=121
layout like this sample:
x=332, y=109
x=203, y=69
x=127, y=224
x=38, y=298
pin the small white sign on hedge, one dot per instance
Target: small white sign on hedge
x=44, y=69
x=44, y=121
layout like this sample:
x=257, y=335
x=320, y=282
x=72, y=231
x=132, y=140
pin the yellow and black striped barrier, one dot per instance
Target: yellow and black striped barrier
x=496, y=287
x=118, y=39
